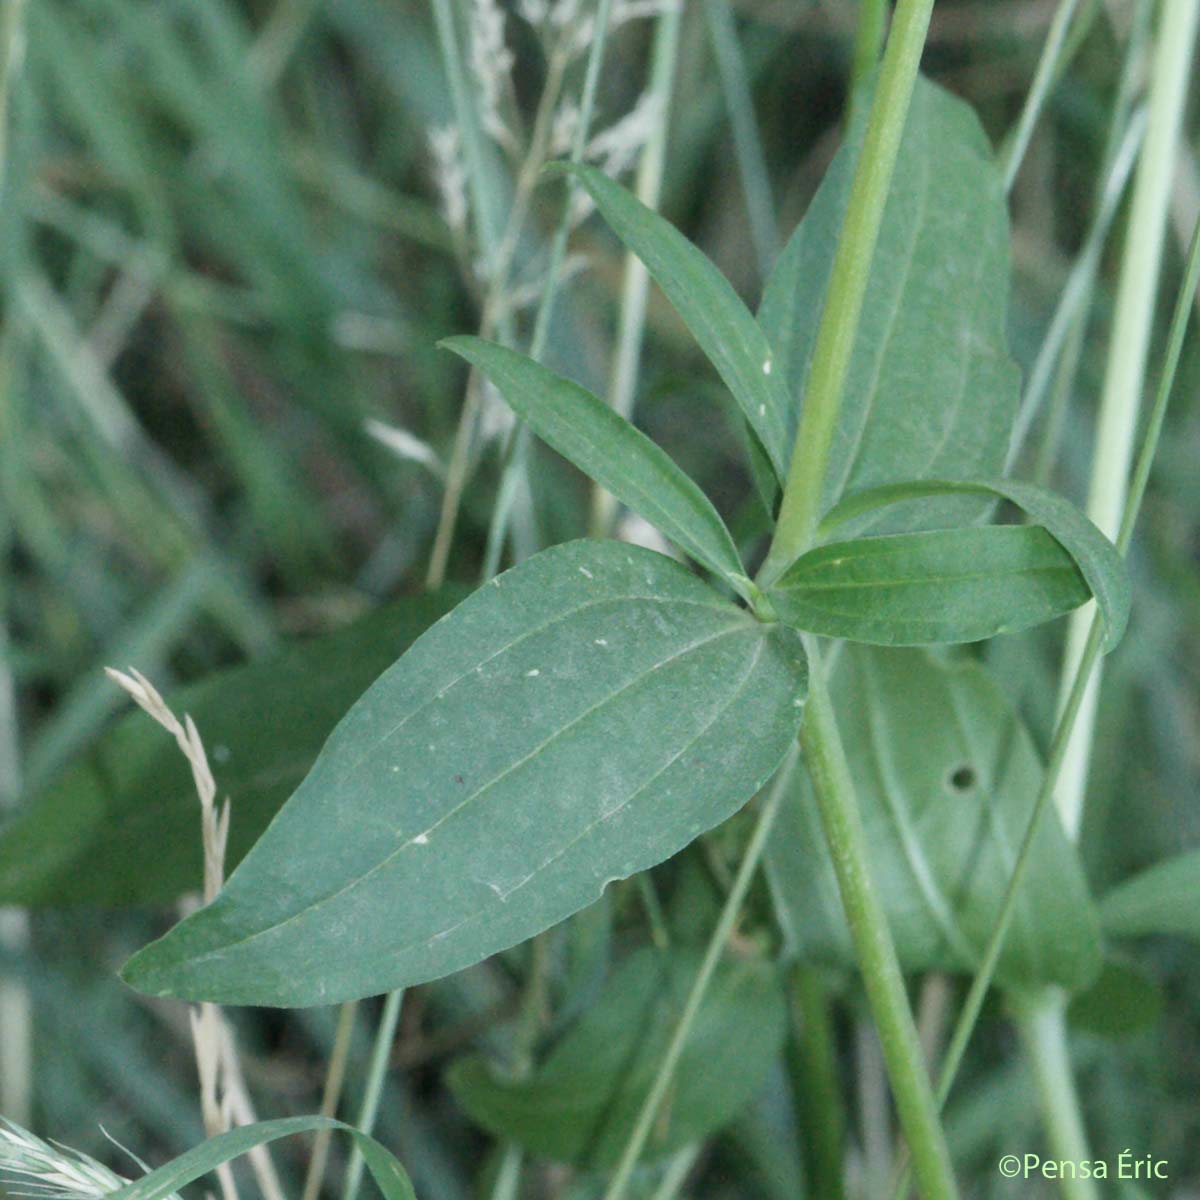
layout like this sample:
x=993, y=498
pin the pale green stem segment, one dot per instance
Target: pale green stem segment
x=1044, y=1033
x=825, y=758
x=868, y=40
x=1039, y=91
x=516, y=451
x=619, y=1184
x=799, y=513
x=800, y=509
x=635, y=286
x=1129, y=344
x=331, y=1094
x=739, y=103
x=376, y=1073
x=1067, y=718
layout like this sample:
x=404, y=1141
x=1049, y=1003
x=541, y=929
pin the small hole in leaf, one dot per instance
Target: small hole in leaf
x=962, y=779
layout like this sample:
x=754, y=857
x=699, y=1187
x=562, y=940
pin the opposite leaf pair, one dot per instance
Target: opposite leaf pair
x=596, y=708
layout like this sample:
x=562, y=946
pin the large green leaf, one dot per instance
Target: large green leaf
x=1095, y=556
x=947, y=585
x=1165, y=898
x=931, y=389
x=160, y=1183
x=582, y=717
x=85, y=839
x=721, y=324
x=581, y=1104
x=605, y=446
x=946, y=775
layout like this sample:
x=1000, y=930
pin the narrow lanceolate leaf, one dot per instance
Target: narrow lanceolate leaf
x=582, y=717
x=1095, y=556
x=914, y=589
x=85, y=838
x=946, y=775
x=605, y=446
x=721, y=324
x=581, y=1104
x=160, y=1183
x=931, y=390
x=1165, y=898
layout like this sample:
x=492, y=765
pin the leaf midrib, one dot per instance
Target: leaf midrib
x=740, y=628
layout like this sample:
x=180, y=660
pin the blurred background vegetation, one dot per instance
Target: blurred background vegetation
x=223, y=250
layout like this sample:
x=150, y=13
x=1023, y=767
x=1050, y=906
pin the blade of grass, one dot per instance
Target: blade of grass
x=739, y=103
x=618, y=1186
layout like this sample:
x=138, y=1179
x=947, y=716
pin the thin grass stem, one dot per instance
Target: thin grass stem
x=618, y=1186
x=747, y=145
x=1044, y=78
x=335, y=1078
x=385, y=1035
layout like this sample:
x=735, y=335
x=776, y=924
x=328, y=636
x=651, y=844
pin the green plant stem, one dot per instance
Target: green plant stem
x=868, y=41
x=635, y=285
x=1073, y=301
x=1129, y=346
x=1064, y=728
x=678, y=1169
x=517, y=449
x=730, y=911
x=335, y=1077
x=818, y=1092
x=739, y=103
x=800, y=508
x=490, y=239
x=373, y=1090
x=508, y=1174
x=1043, y=1032
x=825, y=758
x=1044, y=78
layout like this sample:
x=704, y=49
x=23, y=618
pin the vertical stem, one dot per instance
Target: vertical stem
x=619, y=1184
x=826, y=760
x=636, y=283
x=800, y=508
x=1043, y=80
x=739, y=103
x=1043, y=1032
x=376, y=1072
x=868, y=41
x=1128, y=347
x=335, y=1077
